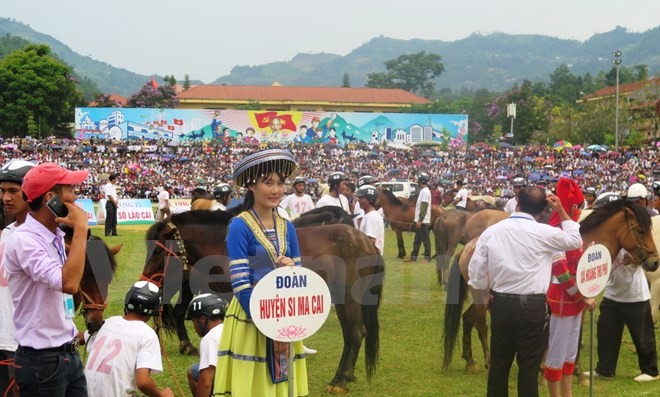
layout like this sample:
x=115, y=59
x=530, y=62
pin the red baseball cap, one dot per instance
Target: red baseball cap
x=40, y=179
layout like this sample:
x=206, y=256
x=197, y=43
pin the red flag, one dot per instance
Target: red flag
x=154, y=85
x=170, y=127
x=287, y=122
x=263, y=119
x=178, y=122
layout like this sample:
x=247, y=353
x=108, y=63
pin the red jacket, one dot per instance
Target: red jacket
x=563, y=295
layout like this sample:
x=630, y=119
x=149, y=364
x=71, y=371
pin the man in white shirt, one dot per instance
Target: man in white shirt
x=164, y=210
x=358, y=212
x=510, y=271
x=338, y=184
x=111, y=204
x=298, y=202
x=372, y=222
x=15, y=206
x=422, y=220
x=207, y=312
x=517, y=183
x=461, y=198
x=122, y=354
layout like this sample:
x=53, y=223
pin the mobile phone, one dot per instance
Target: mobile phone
x=57, y=207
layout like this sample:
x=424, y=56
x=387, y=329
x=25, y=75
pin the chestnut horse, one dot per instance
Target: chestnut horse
x=617, y=224
x=100, y=265
x=400, y=215
x=188, y=255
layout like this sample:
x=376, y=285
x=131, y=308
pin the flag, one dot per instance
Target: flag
x=170, y=127
x=178, y=122
x=154, y=85
x=263, y=120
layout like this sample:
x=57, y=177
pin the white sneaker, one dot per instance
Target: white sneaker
x=646, y=378
x=310, y=352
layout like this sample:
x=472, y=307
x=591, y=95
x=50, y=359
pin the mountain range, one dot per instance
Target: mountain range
x=495, y=61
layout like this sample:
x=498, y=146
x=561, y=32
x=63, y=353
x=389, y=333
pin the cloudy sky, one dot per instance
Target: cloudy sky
x=206, y=38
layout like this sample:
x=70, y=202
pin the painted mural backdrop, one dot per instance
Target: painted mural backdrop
x=269, y=126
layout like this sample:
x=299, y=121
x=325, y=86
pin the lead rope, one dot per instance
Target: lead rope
x=12, y=381
x=159, y=328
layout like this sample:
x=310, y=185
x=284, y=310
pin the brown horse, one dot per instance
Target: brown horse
x=188, y=255
x=618, y=224
x=400, y=215
x=100, y=265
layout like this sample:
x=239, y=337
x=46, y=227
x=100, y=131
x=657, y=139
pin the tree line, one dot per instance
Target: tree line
x=39, y=92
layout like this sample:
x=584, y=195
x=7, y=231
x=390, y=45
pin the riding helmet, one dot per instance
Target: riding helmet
x=518, y=182
x=423, y=177
x=590, y=190
x=15, y=170
x=366, y=180
x=605, y=198
x=299, y=179
x=143, y=298
x=210, y=305
x=656, y=187
x=222, y=190
x=336, y=177
x=637, y=191
x=369, y=192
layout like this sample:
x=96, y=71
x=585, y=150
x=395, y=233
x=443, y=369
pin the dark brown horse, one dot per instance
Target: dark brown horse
x=400, y=215
x=100, y=265
x=189, y=255
x=618, y=224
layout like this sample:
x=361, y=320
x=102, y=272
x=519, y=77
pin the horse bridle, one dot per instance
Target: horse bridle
x=90, y=304
x=646, y=252
x=181, y=254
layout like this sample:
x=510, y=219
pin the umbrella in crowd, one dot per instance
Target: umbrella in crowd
x=560, y=145
x=506, y=145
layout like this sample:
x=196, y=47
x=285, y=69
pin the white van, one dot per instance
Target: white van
x=400, y=189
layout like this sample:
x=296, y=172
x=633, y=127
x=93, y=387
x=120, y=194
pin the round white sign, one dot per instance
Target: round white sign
x=290, y=303
x=593, y=270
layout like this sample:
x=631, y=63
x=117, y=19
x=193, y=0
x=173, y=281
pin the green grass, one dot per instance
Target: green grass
x=410, y=345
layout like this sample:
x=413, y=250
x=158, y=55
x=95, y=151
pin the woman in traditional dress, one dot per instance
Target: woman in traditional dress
x=258, y=241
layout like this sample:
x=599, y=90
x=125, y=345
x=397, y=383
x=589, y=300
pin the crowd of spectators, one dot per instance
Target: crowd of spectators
x=145, y=168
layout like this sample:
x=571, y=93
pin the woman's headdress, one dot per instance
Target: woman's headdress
x=265, y=162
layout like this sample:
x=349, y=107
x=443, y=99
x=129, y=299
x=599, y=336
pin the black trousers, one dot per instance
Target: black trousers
x=110, y=218
x=637, y=317
x=46, y=374
x=422, y=237
x=518, y=329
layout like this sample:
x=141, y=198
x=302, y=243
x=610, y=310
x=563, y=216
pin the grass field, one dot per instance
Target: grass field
x=410, y=345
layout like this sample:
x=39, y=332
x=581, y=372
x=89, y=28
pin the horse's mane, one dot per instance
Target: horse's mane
x=391, y=197
x=68, y=236
x=601, y=214
x=326, y=215
x=202, y=217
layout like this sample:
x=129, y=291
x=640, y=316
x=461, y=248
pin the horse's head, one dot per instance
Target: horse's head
x=623, y=224
x=100, y=265
x=189, y=243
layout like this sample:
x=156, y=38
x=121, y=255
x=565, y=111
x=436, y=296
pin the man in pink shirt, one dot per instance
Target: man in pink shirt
x=42, y=280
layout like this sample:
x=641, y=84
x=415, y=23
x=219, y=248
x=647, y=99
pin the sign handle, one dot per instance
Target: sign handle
x=292, y=370
x=591, y=353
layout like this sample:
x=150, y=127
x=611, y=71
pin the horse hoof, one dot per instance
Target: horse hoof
x=471, y=369
x=189, y=351
x=336, y=389
x=584, y=380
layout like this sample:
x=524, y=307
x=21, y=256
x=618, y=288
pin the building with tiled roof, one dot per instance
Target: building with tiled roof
x=281, y=98
x=640, y=105
x=119, y=100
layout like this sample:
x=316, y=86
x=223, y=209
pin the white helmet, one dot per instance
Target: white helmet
x=637, y=191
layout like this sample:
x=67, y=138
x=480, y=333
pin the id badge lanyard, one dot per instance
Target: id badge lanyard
x=69, y=309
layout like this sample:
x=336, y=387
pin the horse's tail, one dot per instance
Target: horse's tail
x=441, y=248
x=167, y=319
x=370, y=317
x=453, y=310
